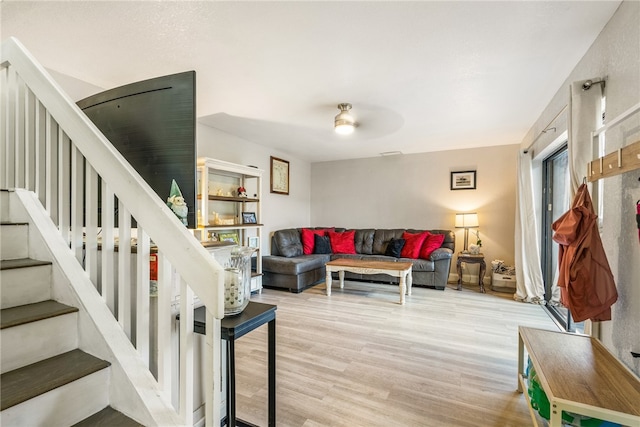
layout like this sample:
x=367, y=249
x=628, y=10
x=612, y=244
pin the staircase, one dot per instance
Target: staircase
x=45, y=378
x=80, y=197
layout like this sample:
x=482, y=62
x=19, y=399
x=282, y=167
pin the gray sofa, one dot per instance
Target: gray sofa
x=288, y=268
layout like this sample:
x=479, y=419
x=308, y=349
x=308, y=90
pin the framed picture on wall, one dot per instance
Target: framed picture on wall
x=465, y=180
x=279, y=176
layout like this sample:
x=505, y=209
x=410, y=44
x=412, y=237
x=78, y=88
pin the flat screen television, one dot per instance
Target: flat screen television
x=153, y=125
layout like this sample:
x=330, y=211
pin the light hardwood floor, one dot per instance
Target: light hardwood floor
x=358, y=358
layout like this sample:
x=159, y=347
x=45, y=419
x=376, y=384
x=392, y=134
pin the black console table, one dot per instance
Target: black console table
x=233, y=327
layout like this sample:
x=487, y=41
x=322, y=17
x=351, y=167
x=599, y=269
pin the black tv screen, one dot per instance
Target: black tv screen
x=153, y=125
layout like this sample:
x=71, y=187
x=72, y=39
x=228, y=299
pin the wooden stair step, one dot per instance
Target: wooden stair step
x=108, y=417
x=7, y=264
x=22, y=384
x=28, y=313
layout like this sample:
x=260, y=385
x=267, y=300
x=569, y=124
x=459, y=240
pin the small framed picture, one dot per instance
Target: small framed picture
x=279, y=176
x=229, y=237
x=249, y=217
x=465, y=180
x=253, y=242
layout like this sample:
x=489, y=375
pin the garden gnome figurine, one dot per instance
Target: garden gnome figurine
x=176, y=202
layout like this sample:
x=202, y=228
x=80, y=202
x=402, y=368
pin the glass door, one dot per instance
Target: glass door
x=555, y=202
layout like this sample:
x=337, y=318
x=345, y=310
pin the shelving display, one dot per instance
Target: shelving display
x=229, y=208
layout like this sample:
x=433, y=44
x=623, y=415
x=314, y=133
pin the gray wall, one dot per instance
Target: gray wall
x=615, y=54
x=413, y=191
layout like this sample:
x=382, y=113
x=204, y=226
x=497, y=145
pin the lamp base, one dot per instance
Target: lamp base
x=466, y=240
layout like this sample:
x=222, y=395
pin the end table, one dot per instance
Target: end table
x=471, y=259
x=233, y=327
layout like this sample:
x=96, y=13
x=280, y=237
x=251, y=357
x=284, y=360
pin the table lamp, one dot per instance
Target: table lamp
x=466, y=221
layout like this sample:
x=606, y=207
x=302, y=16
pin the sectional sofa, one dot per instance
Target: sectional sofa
x=297, y=261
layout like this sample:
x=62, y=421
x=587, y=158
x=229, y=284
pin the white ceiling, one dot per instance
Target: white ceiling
x=422, y=76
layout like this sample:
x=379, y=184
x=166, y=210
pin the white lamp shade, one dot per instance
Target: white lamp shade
x=467, y=220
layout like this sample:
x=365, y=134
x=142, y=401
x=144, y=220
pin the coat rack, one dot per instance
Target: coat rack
x=620, y=161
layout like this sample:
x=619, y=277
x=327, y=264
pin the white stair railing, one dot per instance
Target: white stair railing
x=50, y=147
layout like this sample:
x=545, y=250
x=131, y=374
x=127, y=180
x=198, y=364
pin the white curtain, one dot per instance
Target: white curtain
x=585, y=116
x=530, y=285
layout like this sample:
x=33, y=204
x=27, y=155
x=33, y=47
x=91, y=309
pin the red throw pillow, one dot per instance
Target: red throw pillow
x=431, y=243
x=412, y=244
x=308, y=242
x=306, y=235
x=343, y=243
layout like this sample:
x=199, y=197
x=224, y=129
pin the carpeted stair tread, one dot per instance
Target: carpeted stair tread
x=24, y=383
x=28, y=313
x=108, y=417
x=7, y=264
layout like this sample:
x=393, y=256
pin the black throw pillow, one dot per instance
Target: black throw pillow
x=394, y=247
x=322, y=245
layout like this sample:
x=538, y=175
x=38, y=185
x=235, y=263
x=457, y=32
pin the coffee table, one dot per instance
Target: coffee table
x=402, y=270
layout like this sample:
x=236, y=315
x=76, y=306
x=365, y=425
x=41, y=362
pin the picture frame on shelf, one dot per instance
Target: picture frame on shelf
x=230, y=236
x=464, y=180
x=279, y=176
x=249, y=218
x=253, y=242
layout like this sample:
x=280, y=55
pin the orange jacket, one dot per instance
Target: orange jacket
x=586, y=283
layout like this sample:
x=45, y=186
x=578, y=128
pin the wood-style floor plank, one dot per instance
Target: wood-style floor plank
x=358, y=358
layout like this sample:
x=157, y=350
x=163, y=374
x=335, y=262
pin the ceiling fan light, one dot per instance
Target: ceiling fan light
x=344, y=123
x=344, y=129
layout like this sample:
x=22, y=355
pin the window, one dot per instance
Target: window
x=555, y=202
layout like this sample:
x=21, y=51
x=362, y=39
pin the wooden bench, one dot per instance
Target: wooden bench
x=579, y=375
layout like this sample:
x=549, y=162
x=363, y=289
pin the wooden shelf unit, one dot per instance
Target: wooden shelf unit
x=232, y=226
x=217, y=176
x=231, y=199
x=579, y=375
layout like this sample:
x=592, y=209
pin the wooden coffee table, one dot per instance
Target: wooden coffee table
x=401, y=270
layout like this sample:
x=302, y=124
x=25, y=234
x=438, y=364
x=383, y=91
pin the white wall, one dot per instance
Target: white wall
x=278, y=210
x=616, y=55
x=413, y=191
